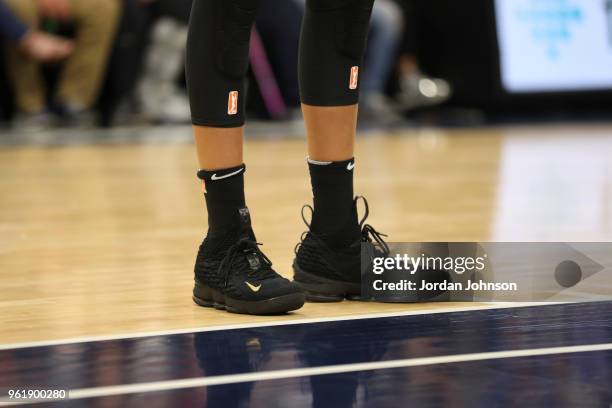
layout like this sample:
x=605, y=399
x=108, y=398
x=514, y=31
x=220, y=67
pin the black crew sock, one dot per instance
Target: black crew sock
x=335, y=215
x=224, y=194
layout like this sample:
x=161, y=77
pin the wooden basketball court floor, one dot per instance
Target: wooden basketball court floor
x=97, y=243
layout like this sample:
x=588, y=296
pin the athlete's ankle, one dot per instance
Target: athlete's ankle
x=224, y=195
x=336, y=236
x=334, y=218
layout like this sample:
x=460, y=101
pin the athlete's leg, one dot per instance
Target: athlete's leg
x=331, y=51
x=218, y=148
x=217, y=61
x=331, y=131
x=231, y=272
x=332, y=45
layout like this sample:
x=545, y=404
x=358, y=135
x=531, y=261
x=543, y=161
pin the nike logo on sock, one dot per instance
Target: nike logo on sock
x=350, y=166
x=215, y=177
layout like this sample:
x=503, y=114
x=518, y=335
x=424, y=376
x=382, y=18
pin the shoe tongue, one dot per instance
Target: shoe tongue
x=254, y=261
x=245, y=216
x=246, y=231
x=256, y=265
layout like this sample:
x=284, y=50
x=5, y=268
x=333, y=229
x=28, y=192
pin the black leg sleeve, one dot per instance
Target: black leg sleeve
x=332, y=45
x=217, y=60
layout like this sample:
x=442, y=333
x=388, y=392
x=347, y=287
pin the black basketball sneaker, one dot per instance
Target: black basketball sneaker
x=233, y=274
x=331, y=275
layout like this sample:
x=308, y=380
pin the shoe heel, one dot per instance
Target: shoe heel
x=322, y=290
x=203, y=295
x=202, y=302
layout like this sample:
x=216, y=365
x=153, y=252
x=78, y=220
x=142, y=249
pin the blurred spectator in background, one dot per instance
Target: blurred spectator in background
x=37, y=45
x=394, y=43
x=145, y=59
x=147, y=62
x=94, y=22
x=386, y=33
x=416, y=89
x=158, y=93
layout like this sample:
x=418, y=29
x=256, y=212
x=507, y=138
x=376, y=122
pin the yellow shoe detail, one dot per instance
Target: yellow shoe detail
x=253, y=287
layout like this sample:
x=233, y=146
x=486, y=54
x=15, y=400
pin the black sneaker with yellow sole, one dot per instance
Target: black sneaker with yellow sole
x=233, y=274
x=332, y=275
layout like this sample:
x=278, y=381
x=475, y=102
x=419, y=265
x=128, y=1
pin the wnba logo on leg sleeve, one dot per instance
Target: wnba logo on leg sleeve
x=354, y=79
x=232, y=103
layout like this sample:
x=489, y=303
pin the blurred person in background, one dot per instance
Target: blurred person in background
x=416, y=89
x=37, y=45
x=386, y=33
x=158, y=93
x=147, y=61
x=86, y=57
x=392, y=50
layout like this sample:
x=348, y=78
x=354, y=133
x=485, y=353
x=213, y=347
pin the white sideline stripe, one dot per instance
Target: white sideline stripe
x=335, y=369
x=135, y=335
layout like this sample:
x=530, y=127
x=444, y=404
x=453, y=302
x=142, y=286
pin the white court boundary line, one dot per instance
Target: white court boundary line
x=136, y=335
x=322, y=370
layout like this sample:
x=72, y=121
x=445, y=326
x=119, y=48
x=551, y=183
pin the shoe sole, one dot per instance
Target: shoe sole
x=323, y=290
x=209, y=297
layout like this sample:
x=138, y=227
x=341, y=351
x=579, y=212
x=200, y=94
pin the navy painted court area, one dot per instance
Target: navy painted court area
x=556, y=355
